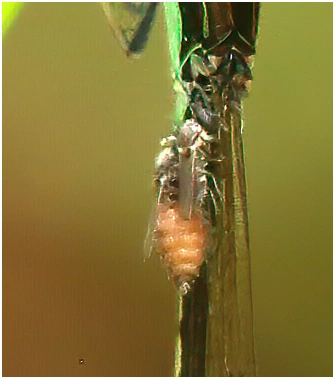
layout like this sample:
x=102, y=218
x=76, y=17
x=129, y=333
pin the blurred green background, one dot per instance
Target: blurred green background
x=81, y=126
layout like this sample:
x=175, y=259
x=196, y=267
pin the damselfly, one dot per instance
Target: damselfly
x=200, y=225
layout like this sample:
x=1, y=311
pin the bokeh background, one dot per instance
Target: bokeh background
x=81, y=125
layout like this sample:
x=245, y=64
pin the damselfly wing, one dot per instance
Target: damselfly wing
x=131, y=23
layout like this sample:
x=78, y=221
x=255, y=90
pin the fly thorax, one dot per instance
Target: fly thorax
x=188, y=134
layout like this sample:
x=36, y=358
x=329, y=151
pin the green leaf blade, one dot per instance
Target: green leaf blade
x=9, y=14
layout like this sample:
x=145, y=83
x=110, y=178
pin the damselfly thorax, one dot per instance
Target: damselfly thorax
x=188, y=201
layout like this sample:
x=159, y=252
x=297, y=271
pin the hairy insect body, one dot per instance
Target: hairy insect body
x=182, y=229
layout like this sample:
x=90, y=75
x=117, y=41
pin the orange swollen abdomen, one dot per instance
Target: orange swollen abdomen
x=180, y=243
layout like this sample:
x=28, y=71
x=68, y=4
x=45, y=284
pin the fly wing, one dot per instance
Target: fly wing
x=151, y=239
x=131, y=23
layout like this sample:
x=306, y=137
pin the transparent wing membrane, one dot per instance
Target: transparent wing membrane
x=131, y=23
x=230, y=268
